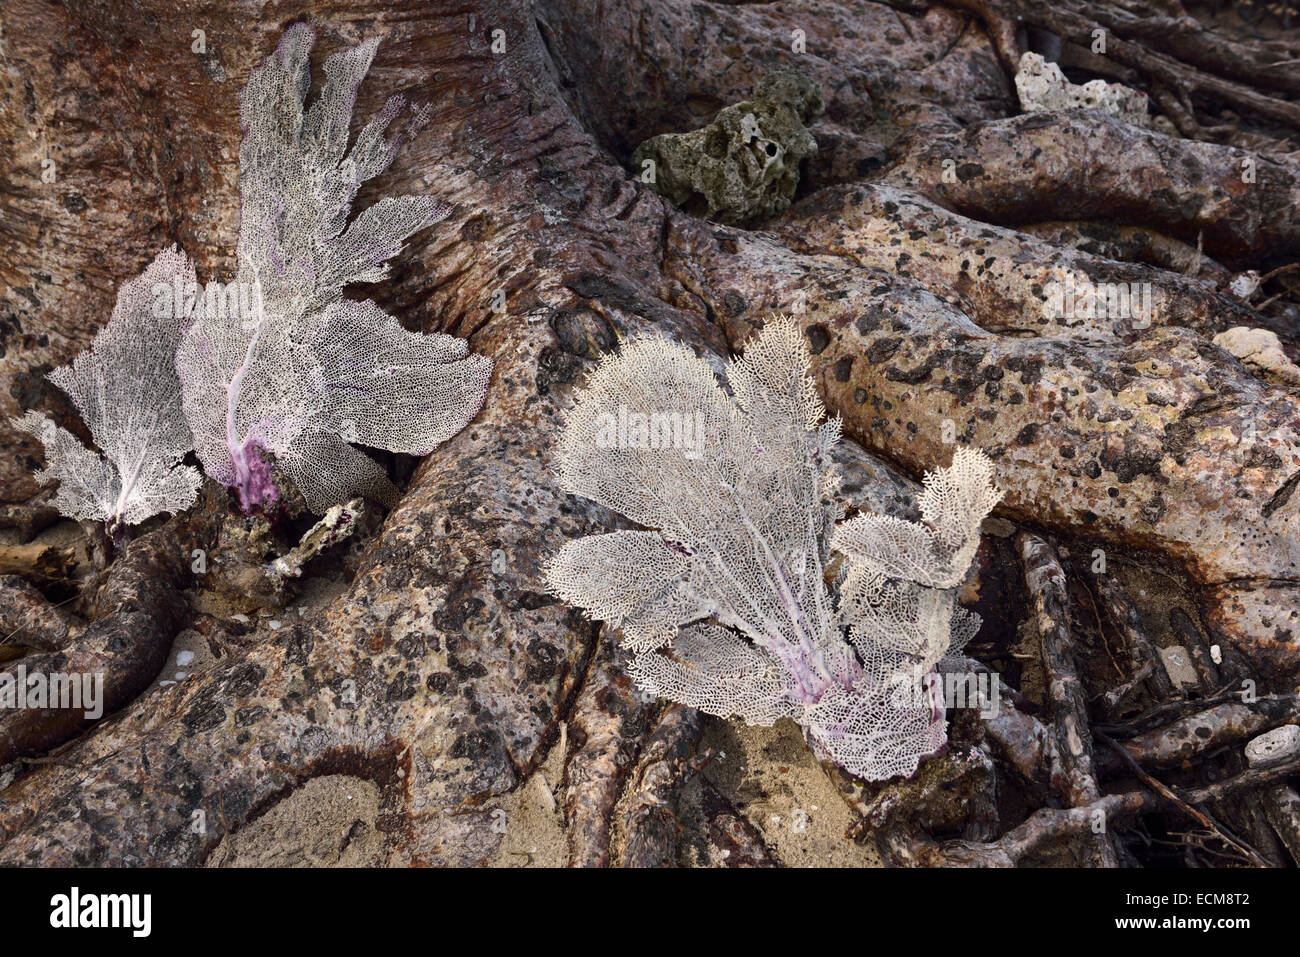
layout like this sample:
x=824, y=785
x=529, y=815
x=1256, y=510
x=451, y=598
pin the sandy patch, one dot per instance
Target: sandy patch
x=771, y=777
x=533, y=819
x=328, y=822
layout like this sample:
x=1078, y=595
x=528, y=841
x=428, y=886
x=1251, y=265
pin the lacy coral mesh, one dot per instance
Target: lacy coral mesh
x=307, y=373
x=126, y=390
x=723, y=598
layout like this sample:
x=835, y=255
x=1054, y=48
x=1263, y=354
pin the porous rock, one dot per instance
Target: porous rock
x=1043, y=88
x=744, y=166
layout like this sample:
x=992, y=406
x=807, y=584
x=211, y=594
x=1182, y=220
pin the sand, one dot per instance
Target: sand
x=328, y=822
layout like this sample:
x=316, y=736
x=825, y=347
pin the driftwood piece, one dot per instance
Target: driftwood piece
x=1050, y=611
x=1044, y=828
x=1050, y=826
x=1051, y=615
x=1024, y=742
x=1078, y=19
x=1207, y=731
x=1175, y=799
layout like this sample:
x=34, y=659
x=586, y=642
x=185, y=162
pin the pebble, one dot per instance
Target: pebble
x=1178, y=664
x=1274, y=747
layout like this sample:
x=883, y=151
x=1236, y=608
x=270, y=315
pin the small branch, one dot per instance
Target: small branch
x=1208, y=730
x=1041, y=830
x=1172, y=796
x=1045, y=580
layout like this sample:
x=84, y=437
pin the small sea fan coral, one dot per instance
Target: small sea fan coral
x=307, y=372
x=723, y=599
x=126, y=391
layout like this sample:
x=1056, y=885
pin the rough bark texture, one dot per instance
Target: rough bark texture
x=442, y=670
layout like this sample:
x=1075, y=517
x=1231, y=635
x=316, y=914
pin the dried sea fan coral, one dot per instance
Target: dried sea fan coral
x=309, y=372
x=723, y=601
x=126, y=390
x=279, y=366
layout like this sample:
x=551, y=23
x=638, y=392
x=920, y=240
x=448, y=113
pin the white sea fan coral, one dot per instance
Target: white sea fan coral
x=723, y=600
x=126, y=391
x=308, y=372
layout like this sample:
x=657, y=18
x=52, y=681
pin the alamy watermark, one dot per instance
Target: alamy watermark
x=980, y=690
x=74, y=909
x=216, y=300
x=1084, y=299
x=629, y=429
x=75, y=690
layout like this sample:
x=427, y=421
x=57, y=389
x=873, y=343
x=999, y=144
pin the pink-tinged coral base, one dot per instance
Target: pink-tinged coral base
x=254, y=480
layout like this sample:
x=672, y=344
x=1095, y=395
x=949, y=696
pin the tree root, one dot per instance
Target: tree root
x=28, y=620
x=1205, y=732
x=444, y=673
x=1077, y=21
x=650, y=828
x=1116, y=172
x=608, y=722
x=1077, y=780
x=141, y=609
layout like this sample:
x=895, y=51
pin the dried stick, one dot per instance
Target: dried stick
x=1173, y=797
x=1205, y=732
x=1050, y=825
x=1042, y=829
x=1045, y=581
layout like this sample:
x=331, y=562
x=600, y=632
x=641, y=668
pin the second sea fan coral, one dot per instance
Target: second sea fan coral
x=309, y=372
x=723, y=598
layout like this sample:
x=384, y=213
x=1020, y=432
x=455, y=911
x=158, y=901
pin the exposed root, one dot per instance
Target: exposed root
x=608, y=722
x=650, y=825
x=28, y=620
